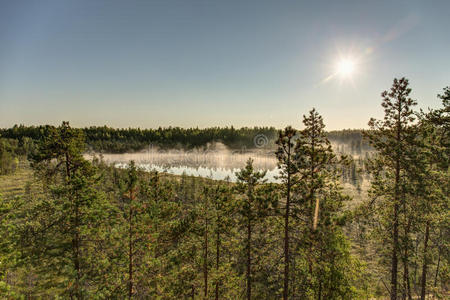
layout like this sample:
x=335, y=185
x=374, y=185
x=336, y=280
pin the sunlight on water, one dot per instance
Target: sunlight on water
x=213, y=173
x=219, y=164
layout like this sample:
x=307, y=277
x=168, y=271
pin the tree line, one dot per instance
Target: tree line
x=90, y=230
x=111, y=140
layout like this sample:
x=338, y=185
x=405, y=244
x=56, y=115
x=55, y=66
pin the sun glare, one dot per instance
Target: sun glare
x=345, y=67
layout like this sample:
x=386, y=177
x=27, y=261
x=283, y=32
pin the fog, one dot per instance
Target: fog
x=216, y=161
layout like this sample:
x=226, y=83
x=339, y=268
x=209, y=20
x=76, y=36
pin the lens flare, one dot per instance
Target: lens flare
x=345, y=67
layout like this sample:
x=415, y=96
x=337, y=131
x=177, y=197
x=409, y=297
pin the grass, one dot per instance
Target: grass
x=13, y=185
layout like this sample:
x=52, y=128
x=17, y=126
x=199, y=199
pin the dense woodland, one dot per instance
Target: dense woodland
x=110, y=140
x=82, y=229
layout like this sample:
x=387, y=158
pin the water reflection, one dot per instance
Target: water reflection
x=213, y=173
x=216, y=164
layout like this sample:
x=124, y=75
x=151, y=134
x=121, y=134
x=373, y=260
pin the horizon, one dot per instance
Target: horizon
x=167, y=127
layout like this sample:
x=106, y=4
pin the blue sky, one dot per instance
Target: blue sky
x=215, y=63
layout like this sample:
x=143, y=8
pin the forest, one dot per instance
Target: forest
x=110, y=140
x=78, y=228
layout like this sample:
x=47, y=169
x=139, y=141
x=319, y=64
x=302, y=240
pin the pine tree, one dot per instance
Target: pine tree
x=222, y=203
x=392, y=137
x=316, y=170
x=67, y=223
x=314, y=156
x=130, y=195
x=431, y=174
x=286, y=156
x=252, y=206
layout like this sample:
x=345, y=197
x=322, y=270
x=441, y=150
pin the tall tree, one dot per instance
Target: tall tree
x=391, y=137
x=431, y=173
x=222, y=202
x=316, y=170
x=286, y=163
x=314, y=156
x=130, y=194
x=252, y=207
x=68, y=222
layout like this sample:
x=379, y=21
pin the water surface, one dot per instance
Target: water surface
x=219, y=164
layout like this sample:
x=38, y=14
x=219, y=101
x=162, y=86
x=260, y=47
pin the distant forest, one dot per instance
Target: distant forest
x=112, y=140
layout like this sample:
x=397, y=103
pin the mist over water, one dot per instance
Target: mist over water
x=216, y=162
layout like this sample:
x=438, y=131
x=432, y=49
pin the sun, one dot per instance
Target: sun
x=345, y=67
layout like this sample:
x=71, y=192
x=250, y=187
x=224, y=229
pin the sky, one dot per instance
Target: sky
x=192, y=63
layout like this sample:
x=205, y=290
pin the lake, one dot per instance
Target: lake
x=218, y=164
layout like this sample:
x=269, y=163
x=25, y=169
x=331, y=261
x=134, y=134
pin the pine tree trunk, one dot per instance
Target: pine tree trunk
x=77, y=254
x=217, y=262
x=394, y=255
x=249, y=260
x=286, y=229
x=406, y=282
x=313, y=154
x=406, y=279
x=205, y=257
x=76, y=236
x=438, y=262
x=311, y=215
x=396, y=208
x=416, y=265
x=130, y=247
x=425, y=263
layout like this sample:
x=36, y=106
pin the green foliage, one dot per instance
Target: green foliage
x=9, y=159
x=322, y=258
x=106, y=139
x=87, y=230
x=59, y=231
x=111, y=140
x=408, y=190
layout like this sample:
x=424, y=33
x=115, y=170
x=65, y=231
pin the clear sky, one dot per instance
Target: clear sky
x=215, y=63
